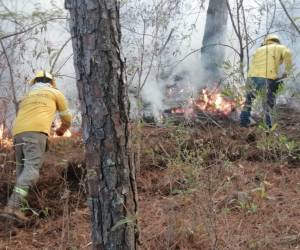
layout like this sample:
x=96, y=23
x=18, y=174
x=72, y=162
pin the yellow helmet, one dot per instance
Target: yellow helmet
x=43, y=74
x=273, y=38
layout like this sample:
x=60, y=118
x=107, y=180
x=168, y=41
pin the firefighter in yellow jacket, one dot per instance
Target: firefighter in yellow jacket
x=31, y=129
x=263, y=75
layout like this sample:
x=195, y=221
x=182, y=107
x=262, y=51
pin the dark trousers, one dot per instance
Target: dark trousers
x=268, y=89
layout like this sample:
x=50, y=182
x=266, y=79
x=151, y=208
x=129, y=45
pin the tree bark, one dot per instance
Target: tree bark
x=212, y=57
x=96, y=37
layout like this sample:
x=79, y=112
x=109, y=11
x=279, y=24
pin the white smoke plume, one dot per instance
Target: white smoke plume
x=181, y=55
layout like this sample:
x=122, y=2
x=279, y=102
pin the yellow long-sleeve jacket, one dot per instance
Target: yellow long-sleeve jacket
x=267, y=59
x=37, y=110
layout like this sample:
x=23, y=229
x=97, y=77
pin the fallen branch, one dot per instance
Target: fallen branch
x=163, y=149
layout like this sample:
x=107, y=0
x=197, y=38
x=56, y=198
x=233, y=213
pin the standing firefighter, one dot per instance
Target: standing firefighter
x=263, y=77
x=31, y=129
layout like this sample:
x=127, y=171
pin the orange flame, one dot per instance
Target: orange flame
x=214, y=102
x=209, y=101
x=1, y=131
x=5, y=142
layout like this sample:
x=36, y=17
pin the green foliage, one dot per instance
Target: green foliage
x=261, y=191
x=128, y=220
x=248, y=207
x=45, y=212
x=253, y=245
x=26, y=207
x=185, y=164
x=233, y=92
x=275, y=145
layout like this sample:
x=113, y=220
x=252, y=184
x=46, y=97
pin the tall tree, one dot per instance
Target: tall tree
x=212, y=52
x=96, y=35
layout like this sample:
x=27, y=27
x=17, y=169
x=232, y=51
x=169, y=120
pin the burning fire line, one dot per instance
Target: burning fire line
x=210, y=102
x=5, y=142
x=1, y=131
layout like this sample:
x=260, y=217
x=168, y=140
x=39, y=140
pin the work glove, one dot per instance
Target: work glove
x=60, y=131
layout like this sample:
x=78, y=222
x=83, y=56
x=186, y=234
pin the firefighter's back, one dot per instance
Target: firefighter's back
x=37, y=110
x=266, y=61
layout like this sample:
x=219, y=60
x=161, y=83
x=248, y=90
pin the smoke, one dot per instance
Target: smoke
x=176, y=58
x=154, y=94
x=183, y=25
x=260, y=20
x=181, y=56
x=37, y=49
x=167, y=45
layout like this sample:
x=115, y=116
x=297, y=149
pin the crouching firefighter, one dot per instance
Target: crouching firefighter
x=30, y=133
x=263, y=76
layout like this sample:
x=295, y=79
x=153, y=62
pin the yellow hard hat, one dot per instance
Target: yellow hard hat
x=273, y=38
x=43, y=74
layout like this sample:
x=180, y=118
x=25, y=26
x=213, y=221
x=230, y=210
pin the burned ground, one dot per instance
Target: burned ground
x=208, y=186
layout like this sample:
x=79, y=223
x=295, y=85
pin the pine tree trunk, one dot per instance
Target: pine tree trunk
x=96, y=35
x=212, y=53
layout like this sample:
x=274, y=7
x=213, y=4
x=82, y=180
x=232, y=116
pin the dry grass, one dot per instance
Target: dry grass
x=199, y=188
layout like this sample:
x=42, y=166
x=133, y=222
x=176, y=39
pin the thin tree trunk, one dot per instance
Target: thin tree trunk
x=246, y=35
x=212, y=57
x=238, y=24
x=237, y=29
x=102, y=89
x=11, y=75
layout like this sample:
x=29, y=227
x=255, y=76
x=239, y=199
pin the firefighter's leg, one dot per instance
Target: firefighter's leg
x=270, y=102
x=19, y=156
x=246, y=112
x=268, y=117
x=34, y=145
x=16, y=197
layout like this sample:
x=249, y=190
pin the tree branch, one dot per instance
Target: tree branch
x=247, y=35
x=59, y=53
x=209, y=45
x=237, y=30
x=289, y=17
x=30, y=28
x=63, y=64
x=135, y=32
x=166, y=42
x=231, y=18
